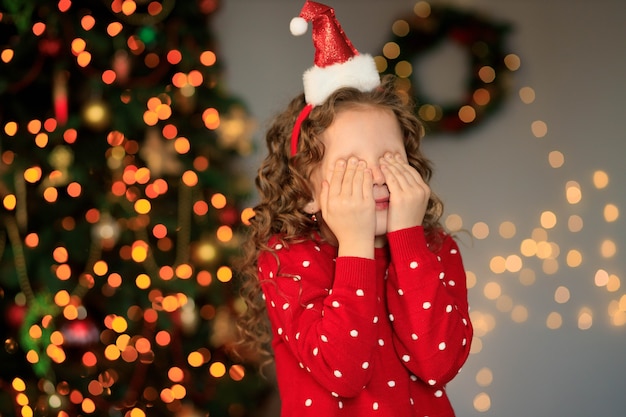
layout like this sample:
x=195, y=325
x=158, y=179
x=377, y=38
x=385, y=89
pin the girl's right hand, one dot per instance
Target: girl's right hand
x=349, y=209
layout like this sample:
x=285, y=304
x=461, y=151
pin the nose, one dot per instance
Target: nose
x=377, y=175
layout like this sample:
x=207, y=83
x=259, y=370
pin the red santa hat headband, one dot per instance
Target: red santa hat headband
x=337, y=63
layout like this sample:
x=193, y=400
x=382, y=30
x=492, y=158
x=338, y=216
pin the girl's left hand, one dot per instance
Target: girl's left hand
x=408, y=193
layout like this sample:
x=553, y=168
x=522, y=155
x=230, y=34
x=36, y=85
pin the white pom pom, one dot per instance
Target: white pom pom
x=298, y=26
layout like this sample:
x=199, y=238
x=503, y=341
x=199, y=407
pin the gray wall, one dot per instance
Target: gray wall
x=573, y=55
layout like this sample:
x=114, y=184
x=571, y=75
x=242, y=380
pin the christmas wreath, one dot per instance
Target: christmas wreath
x=488, y=74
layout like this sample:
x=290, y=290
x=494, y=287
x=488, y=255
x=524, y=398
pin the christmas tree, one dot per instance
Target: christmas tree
x=122, y=210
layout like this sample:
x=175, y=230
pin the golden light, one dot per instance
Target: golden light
x=182, y=145
x=218, y=200
x=211, y=118
x=507, y=230
x=195, y=359
x=32, y=356
x=400, y=28
x=467, y=114
x=62, y=298
x=7, y=55
x=246, y=215
x=89, y=359
x=100, y=268
x=575, y=223
x=611, y=213
x=175, y=374
x=217, y=369
x=454, y=222
x=87, y=22
x=119, y=324
x=10, y=128
x=143, y=345
x=585, y=318
x=208, y=58
x=492, y=290
x=574, y=258
x=513, y=62
x=556, y=159
x=487, y=74
x=513, y=263
x=391, y=50
x=403, y=69
x=422, y=9
x=143, y=206
x=9, y=202
x=39, y=28
x=573, y=192
x=114, y=29
x=224, y=234
x=519, y=314
x=548, y=220
x=139, y=251
x=528, y=247
x=600, y=179
x=554, y=321
x=539, y=128
x=614, y=283
x=33, y=174
x=482, y=402
x=224, y=274
x=190, y=178
x=608, y=249
x=497, y=264
x=18, y=384
x=163, y=338
x=481, y=97
x=143, y=281
x=562, y=295
x=471, y=279
x=484, y=377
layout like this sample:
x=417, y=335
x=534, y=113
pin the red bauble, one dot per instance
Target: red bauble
x=78, y=333
x=15, y=315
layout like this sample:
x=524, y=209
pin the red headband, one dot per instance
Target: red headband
x=295, y=134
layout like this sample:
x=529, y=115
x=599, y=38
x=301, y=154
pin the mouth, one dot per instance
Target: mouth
x=382, y=203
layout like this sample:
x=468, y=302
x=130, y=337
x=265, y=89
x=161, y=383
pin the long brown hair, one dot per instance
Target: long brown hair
x=284, y=189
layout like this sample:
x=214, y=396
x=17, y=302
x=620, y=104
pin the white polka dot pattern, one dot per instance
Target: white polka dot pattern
x=367, y=327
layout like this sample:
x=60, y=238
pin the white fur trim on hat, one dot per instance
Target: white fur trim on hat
x=358, y=72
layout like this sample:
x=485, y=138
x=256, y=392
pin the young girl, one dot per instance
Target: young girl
x=364, y=291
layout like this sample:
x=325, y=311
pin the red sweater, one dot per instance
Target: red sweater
x=363, y=337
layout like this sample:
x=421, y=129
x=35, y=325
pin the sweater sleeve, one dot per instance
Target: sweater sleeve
x=323, y=310
x=427, y=300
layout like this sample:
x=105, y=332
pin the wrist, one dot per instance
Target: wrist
x=356, y=248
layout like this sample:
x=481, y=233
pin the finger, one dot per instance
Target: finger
x=357, y=183
x=348, y=177
x=409, y=169
x=337, y=177
x=394, y=177
x=368, y=185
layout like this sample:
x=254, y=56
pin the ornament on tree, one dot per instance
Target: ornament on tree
x=59, y=97
x=61, y=159
x=96, y=114
x=160, y=154
x=121, y=66
x=107, y=231
x=14, y=315
x=79, y=333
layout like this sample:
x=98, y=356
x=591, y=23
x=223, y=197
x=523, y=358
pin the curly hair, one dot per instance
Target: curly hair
x=284, y=189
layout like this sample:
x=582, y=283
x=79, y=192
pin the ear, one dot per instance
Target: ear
x=312, y=207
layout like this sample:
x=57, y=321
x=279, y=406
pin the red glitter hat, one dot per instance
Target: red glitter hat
x=337, y=63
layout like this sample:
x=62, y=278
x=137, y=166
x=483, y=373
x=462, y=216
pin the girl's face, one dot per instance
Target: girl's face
x=366, y=133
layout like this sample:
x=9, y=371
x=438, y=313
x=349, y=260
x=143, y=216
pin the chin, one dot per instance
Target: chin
x=381, y=224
